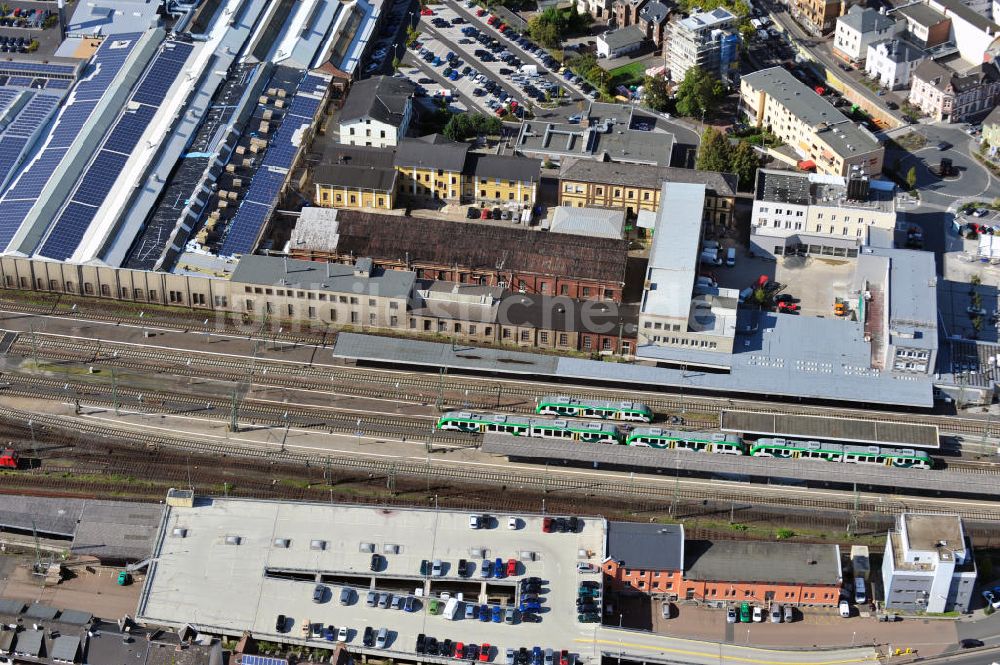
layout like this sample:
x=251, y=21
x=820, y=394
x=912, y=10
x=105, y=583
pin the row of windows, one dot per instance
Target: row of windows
x=661, y=326
x=309, y=295
x=152, y=295
x=368, y=133
x=684, y=341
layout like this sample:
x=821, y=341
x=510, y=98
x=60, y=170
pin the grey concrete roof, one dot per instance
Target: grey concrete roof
x=846, y=138
x=642, y=546
x=41, y=612
x=29, y=643
x=922, y=14
x=616, y=39
x=329, y=277
x=11, y=606
x=564, y=313
x=912, y=294
x=50, y=516
x=865, y=20
x=382, y=98
x=599, y=222
x=430, y=152
x=969, y=15
x=931, y=72
x=925, y=531
x=747, y=561
x=830, y=428
x=117, y=531
x=644, y=175
x=75, y=617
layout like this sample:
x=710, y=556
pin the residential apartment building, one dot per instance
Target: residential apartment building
x=796, y=210
x=518, y=259
x=821, y=135
x=599, y=9
x=925, y=27
x=947, y=96
x=708, y=40
x=991, y=128
x=892, y=62
x=377, y=112
x=656, y=559
x=626, y=12
x=859, y=28
x=633, y=187
x=500, y=179
x=430, y=167
x=818, y=17
x=928, y=564
x=975, y=35
x=653, y=19
x=355, y=177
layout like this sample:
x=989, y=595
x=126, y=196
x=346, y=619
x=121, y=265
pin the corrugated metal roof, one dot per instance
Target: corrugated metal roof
x=65, y=648
x=592, y=222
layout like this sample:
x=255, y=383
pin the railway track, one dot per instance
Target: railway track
x=699, y=412
x=250, y=412
x=519, y=479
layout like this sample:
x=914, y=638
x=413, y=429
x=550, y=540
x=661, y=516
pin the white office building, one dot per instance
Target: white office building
x=860, y=27
x=892, y=61
x=928, y=564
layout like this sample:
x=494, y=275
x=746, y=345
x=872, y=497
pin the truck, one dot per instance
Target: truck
x=451, y=609
x=839, y=307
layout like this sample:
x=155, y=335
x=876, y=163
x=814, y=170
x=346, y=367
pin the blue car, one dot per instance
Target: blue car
x=329, y=634
x=410, y=604
x=529, y=606
x=484, y=613
x=453, y=76
x=436, y=61
x=470, y=611
x=449, y=56
x=498, y=571
x=536, y=656
x=497, y=614
x=484, y=569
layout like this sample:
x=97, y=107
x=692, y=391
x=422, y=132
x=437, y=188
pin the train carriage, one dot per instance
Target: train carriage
x=590, y=432
x=835, y=452
x=709, y=442
x=563, y=406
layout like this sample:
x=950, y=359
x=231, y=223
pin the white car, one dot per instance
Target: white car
x=475, y=521
x=584, y=567
x=342, y=634
x=758, y=614
x=513, y=523
x=845, y=609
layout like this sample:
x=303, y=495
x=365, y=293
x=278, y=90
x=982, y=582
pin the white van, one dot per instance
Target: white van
x=731, y=257
x=859, y=591
x=451, y=609
x=711, y=257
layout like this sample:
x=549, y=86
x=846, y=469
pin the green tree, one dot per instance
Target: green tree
x=715, y=152
x=412, y=34
x=466, y=125
x=698, y=93
x=657, y=95
x=911, y=177
x=743, y=161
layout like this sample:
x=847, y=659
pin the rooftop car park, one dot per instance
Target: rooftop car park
x=280, y=570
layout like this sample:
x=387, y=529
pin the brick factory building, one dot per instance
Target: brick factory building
x=517, y=259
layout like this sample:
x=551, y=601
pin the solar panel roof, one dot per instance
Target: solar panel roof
x=100, y=72
x=248, y=659
x=21, y=67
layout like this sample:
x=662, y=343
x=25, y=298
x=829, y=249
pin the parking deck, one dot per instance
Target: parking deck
x=827, y=428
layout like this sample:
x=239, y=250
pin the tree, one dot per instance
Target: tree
x=657, y=95
x=466, y=125
x=714, y=153
x=911, y=177
x=543, y=31
x=744, y=161
x=698, y=93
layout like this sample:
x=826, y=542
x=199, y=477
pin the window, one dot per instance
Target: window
x=372, y=319
x=564, y=290
x=105, y=290
x=618, y=192
x=354, y=317
x=525, y=335
x=393, y=305
x=371, y=302
x=333, y=314
x=599, y=191
x=88, y=288
x=505, y=333
x=393, y=321
x=472, y=329
x=588, y=343
x=606, y=344
x=312, y=312
x=645, y=196
x=586, y=292
x=249, y=305
x=543, y=337
x=291, y=310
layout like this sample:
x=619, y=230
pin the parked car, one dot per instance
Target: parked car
x=369, y=637
x=279, y=623
x=845, y=609
x=731, y=615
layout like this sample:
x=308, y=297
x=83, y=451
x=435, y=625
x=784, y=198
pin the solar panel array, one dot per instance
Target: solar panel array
x=23, y=81
x=17, y=201
x=93, y=187
x=29, y=118
x=262, y=194
x=247, y=659
x=58, y=84
x=16, y=67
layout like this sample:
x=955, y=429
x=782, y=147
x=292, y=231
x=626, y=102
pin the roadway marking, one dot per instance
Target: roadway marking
x=724, y=658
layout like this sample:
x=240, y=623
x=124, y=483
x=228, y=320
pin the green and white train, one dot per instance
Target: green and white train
x=577, y=430
x=561, y=405
x=704, y=442
x=906, y=458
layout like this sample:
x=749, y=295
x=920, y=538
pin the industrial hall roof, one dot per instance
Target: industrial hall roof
x=774, y=563
x=412, y=240
x=382, y=98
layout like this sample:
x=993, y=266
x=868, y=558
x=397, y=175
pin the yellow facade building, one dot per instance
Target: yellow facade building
x=355, y=177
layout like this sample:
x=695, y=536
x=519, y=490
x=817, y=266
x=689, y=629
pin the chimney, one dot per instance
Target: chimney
x=363, y=267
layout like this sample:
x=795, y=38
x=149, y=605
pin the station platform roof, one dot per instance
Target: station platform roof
x=829, y=428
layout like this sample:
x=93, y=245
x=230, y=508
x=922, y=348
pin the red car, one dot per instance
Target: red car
x=787, y=307
x=547, y=525
x=502, y=27
x=491, y=20
x=511, y=567
x=480, y=12
x=459, y=650
x=426, y=12
x=484, y=653
x=564, y=657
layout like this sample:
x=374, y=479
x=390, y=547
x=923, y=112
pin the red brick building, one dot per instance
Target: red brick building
x=549, y=264
x=654, y=559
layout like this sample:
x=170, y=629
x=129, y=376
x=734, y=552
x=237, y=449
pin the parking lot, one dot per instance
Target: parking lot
x=502, y=66
x=241, y=564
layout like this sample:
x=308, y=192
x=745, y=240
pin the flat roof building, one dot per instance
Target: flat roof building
x=814, y=128
x=707, y=40
x=928, y=564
